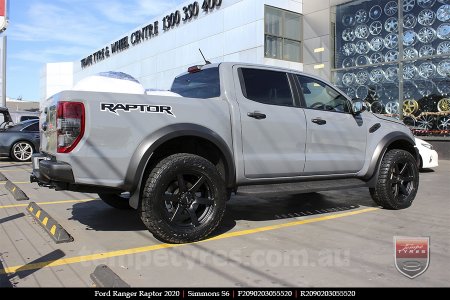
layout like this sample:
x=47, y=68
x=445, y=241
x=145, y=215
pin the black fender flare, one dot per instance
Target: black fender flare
x=143, y=154
x=371, y=175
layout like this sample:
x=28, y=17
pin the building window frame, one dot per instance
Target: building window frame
x=283, y=36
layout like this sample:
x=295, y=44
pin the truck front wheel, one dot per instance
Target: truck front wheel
x=183, y=199
x=398, y=180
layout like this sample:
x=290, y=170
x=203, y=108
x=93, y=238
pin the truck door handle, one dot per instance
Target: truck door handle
x=256, y=115
x=319, y=121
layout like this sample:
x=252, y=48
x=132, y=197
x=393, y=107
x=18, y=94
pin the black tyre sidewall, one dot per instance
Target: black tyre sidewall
x=384, y=188
x=152, y=208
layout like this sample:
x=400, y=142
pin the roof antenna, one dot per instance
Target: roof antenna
x=206, y=61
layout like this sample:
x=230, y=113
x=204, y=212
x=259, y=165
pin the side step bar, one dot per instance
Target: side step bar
x=300, y=187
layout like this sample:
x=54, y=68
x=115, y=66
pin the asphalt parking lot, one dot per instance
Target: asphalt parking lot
x=332, y=239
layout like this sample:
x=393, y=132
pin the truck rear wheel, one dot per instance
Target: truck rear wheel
x=119, y=201
x=398, y=180
x=183, y=199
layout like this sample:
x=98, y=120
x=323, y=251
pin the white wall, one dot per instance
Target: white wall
x=233, y=32
x=56, y=77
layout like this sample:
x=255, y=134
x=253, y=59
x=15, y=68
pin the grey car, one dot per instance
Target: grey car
x=20, y=141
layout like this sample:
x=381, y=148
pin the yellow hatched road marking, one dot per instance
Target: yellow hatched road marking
x=92, y=257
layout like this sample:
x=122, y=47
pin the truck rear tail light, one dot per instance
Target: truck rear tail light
x=69, y=125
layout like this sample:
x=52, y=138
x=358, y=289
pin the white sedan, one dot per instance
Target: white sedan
x=428, y=156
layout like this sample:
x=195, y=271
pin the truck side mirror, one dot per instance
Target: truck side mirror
x=358, y=106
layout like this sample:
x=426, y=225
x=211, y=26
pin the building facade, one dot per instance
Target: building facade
x=393, y=54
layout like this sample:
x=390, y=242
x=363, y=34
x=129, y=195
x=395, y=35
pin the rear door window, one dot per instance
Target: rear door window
x=266, y=86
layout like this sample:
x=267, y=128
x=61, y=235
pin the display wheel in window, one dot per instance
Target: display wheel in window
x=362, y=31
x=443, y=13
x=362, y=47
x=376, y=58
x=362, y=60
x=391, y=41
x=426, y=17
x=392, y=107
x=443, y=31
x=391, y=55
x=391, y=8
x=409, y=21
x=368, y=105
x=348, y=63
x=391, y=24
x=409, y=71
x=348, y=35
x=375, y=12
x=444, y=104
x=377, y=107
x=377, y=44
x=427, y=70
x=348, y=20
x=409, y=38
x=425, y=88
x=426, y=35
x=427, y=104
x=443, y=68
x=376, y=75
x=443, y=123
x=425, y=122
x=361, y=16
x=408, y=5
x=391, y=74
x=426, y=3
x=348, y=49
x=348, y=79
x=410, y=53
x=350, y=92
x=410, y=107
x=409, y=90
x=443, y=48
x=409, y=121
x=375, y=28
x=443, y=87
x=426, y=50
x=362, y=77
x=362, y=92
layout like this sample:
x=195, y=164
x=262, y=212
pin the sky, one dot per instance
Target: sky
x=45, y=31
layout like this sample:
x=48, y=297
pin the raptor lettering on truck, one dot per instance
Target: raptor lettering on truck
x=143, y=108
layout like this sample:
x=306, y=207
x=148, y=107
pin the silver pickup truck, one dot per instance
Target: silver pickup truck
x=242, y=128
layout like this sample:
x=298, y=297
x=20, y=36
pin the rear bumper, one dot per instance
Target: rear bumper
x=59, y=175
x=50, y=173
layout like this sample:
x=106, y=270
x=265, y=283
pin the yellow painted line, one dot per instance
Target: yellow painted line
x=92, y=257
x=38, y=214
x=48, y=203
x=15, y=170
x=44, y=222
x=17, y=182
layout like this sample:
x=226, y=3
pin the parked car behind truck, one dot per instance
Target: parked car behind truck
x=237, y=127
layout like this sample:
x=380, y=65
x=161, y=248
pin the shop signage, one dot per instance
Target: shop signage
x=169, y=22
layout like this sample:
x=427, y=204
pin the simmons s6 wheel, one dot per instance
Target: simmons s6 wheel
x=398, y=180
x=183, y=199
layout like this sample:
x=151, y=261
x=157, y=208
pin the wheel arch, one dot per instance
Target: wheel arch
x=169, y=140
x=393, y=140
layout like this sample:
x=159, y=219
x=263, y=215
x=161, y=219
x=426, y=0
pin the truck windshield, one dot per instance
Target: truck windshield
x=203, y=84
